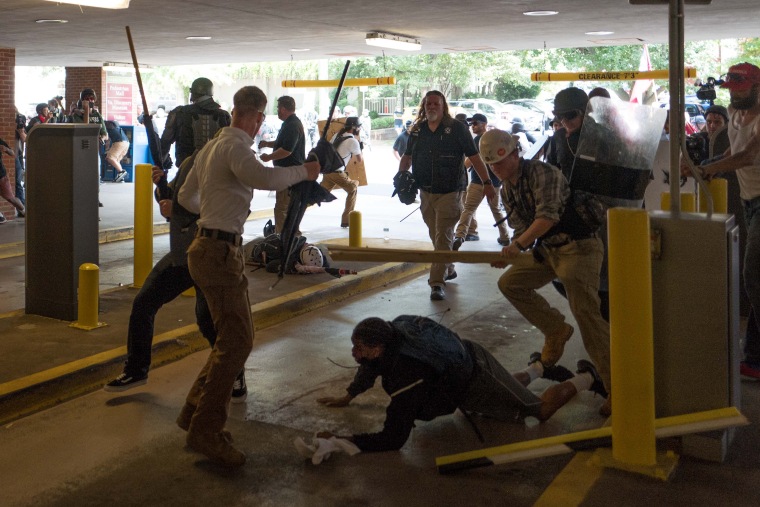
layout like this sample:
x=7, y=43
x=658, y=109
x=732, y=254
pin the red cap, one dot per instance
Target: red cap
x=741, y=77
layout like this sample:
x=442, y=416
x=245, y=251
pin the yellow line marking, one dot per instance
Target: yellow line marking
x=572, y=484
x=109, y=355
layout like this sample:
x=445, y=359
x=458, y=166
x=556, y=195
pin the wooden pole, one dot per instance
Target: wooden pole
x=344, y=253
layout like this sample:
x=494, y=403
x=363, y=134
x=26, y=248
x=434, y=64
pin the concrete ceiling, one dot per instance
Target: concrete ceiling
x=267, y=30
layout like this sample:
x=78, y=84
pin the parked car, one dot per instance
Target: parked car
x=531, y=119
x=410, y=113
x=542, y=107
x=498, y=115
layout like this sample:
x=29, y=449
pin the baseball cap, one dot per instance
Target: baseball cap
x=496, y=145
x=480, y=118
x=570, y=99
x=741, y=77
x=353, y=121
x=408, y=123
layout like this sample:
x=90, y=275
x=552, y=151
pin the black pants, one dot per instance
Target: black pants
x=164, y=283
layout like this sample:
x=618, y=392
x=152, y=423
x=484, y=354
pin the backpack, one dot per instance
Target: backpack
x=268, y=253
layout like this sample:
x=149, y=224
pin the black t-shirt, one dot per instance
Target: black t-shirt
x=438, y=157
x=474, y=175
x=291, y=138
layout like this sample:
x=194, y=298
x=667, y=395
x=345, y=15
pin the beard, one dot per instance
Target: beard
x=744, y=103
x=433, y=116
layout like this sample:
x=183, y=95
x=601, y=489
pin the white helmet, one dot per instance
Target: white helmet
x=311, y=256
x=496, y=144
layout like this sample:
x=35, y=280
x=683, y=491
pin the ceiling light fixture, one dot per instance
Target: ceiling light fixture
x=198, y=37
x=393, y=41
x=51, y=21
x=600, y=32
x=103, y=4
x=540, y=13
x=299, y=50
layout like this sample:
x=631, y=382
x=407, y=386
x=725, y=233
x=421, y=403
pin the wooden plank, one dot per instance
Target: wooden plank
x=697, y=422
x=344, y=253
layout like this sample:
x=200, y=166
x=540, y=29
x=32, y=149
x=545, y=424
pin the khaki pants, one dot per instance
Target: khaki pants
x=474, y=197
x=218, y=268
x=577, y=265
x=440, y=213
x=341, y=180
x=281, y=201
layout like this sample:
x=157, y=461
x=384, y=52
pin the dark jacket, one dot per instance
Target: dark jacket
x=425, y=372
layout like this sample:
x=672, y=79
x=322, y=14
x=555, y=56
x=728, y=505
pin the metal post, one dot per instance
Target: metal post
x=143, y=258
x=355, y=229
x=87, y=298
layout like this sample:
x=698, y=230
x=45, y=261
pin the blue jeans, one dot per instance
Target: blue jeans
x=164, y=283
x=752, y=279
x=20, y=195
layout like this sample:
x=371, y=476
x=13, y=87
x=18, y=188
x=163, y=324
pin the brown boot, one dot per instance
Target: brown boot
x=186, y=414
x=217, y=448
x=554, y=344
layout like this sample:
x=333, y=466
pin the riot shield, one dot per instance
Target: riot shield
x=616, y=149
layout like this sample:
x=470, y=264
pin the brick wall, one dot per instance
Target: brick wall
x=79, y=78
x=8, y=119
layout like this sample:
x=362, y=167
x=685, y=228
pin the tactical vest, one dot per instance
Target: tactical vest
x=197, y=126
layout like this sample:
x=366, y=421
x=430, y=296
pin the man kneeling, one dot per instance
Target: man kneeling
x=428, y=371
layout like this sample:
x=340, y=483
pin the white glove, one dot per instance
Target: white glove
x=321, y=449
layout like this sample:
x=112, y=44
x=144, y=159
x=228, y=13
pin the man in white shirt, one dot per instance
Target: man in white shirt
x=347, y=146
x=220, y=188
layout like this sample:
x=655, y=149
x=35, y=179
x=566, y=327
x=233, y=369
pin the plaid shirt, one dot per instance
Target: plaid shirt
x=541, y=191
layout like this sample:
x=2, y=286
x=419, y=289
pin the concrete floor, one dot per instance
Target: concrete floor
x=124, y=449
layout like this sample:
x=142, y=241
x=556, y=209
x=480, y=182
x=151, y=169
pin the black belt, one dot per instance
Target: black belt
x=229, y=237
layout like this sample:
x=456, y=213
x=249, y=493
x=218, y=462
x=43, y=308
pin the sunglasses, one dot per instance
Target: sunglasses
x=569, y=116
x=735, y=78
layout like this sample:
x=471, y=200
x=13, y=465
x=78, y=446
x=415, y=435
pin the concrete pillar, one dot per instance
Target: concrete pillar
x=8, y=119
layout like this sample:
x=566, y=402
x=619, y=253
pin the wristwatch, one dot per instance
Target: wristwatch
x=518, y=245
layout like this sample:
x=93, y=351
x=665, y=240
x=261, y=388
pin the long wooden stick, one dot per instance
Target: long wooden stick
x=345, y=253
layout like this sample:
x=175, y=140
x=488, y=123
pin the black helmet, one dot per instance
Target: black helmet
x=86, y=92
x=41, y=106
x=570, y=99
x=201, y=87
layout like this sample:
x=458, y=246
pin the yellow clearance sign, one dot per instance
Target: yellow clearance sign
x=625, y=75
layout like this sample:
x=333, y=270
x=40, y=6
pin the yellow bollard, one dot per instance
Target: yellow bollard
x=143, y=244
x=687, y=202
x=631, y=336
x=719, y=191
x=87, y=298
x=355, y=229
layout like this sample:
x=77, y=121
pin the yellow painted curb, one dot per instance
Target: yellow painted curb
x=24, y=396
x=18, y=249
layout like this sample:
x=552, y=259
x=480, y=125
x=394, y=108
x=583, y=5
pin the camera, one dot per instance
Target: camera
x=698, y=147
x=20, y=121
x=706, y=89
